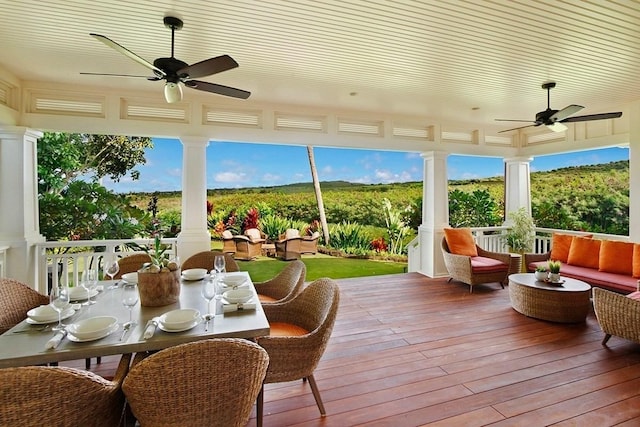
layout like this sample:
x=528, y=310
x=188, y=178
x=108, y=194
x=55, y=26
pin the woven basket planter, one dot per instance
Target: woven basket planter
x=158, y=289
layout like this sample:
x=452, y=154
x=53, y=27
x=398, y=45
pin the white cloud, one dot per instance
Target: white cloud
x=270, y=178
x=327, y=170
x=230, y=177
x=174, y=172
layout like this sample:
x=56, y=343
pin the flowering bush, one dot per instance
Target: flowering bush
x=379, y=245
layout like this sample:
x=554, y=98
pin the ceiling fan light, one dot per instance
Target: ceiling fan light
x=557, y=127
x=172, y=92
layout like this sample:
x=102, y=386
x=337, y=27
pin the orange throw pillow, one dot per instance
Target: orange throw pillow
x=560, y=244
x=636, y=260
x=584, y=252
x=460, y=241
x=616, y=257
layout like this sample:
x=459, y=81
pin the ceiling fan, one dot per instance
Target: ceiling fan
x=175, y=71
x=554, y=119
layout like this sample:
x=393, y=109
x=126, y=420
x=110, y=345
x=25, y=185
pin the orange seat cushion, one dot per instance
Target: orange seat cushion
x=282, y=329
x=584, y=252
x=265, y=298
x=460, y=241
x=616, y=257
x=636, y=260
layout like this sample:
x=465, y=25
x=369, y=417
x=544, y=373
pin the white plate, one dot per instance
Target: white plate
x=190, y=326
x=130, y=277
x=106, y=333
x=43, y=313
x=194, y=274
x=65, y=314
x=234, y=281
x=92, y=327
x=238, y=296
x=179, y=319
x=79, y=293
x=249, y=301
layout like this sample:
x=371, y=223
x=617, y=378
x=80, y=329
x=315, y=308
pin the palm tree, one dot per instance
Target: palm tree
x=316, y=187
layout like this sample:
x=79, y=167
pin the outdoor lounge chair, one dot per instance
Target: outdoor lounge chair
x=309, y=244
x=228, y=244
x=284, y=286
x=486, y=267
x=204, y=383
x=300, y=332
x=618, y=314
x=288, y=247
x=248, y=245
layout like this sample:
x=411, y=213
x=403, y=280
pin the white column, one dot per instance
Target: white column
x=634, y=171
x=435, y=214
x=19, y=213
x=194, y=236
x=517, y=192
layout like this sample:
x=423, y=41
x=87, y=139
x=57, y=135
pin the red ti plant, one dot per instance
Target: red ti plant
x=251, y=220
x=379, y=245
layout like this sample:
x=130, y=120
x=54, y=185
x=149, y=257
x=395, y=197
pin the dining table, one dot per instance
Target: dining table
x=26, y=343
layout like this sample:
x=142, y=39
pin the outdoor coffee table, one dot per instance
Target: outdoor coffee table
x=566, y=303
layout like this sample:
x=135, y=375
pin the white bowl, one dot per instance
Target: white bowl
x=234, y=281
x=179, y=319
x=79, y=293
x=43, y=313
x=238, y=296
x=194, y=273
x=130, y=277
x=92, y=327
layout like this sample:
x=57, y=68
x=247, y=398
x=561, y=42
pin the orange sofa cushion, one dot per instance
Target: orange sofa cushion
x=616, y=257
x=560, y=245
x=282, y=329
x=460, y=241
x=584, y=252
x=635, y=263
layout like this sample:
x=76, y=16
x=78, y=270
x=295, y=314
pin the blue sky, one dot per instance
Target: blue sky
x=240, y=165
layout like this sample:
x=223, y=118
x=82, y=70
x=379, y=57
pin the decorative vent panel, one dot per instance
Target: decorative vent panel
x=303, y=123
x=140, y=110
x=252, y=119
x=498, y=140
x=66, y=104
x=415, y=132
x=457, y=137
x=3, y=94
x=360, y=127
x=545, y=137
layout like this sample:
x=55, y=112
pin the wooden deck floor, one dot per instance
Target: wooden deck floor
x=411, y=351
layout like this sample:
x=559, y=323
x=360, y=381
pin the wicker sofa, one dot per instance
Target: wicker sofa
x=605, y=264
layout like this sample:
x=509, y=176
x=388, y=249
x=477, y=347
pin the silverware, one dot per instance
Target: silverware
x=125, y=329
x=207, y=318
x=33, y=329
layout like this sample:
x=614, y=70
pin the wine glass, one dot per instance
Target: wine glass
x=219, y=264
x=59, y=299
x=130, y=299
x=208, y=293
x=90, y=283
x=111, y=267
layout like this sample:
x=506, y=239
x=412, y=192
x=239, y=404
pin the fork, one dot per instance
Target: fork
x=125, y=329
x=32, y=329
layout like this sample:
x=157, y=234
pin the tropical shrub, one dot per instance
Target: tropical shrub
x=349, y=237
x=273, y=226
x=396, y=227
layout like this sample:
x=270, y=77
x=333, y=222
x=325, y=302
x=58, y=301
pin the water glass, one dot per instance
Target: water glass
x=90, y=283
x=111, y=267
x=59, y=299
x=219, y=264
x=130, y=298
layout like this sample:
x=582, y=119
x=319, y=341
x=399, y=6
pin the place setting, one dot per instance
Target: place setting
x=179, y=320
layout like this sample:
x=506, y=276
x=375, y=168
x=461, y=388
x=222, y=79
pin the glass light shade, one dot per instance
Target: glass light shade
x=172, y=92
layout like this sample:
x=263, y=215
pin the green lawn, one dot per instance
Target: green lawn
x=320, y=265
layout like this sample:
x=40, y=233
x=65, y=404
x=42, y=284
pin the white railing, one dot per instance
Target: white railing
x=64, y=262
x=3, y=261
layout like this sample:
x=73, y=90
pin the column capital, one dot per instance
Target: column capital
x=194, y=141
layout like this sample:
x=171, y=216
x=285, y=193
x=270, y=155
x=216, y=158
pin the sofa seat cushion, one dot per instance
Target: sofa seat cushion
x=602, y=279
x=480, y=264
x=635, y=295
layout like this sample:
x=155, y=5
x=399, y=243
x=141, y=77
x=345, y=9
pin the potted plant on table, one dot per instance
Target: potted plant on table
x=554, y=271
x=159, y=280
x=541, y=273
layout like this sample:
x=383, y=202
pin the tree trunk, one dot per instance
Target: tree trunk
x=316, y=187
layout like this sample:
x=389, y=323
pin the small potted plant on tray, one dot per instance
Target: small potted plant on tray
x=554, y=271
x=541, y=273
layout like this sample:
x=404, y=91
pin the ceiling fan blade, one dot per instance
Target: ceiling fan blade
x=521, y=127
x=590, y=117
x=128, y=53
x=208, y=67
x=510, y=120
x=565, y=112
x=557, y=127
x=153, y=78
x=219, y=89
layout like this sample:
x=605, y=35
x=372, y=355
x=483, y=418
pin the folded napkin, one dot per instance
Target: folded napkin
x=226, y=308
x=99, y=288
x=55, y=341
x=151, y=328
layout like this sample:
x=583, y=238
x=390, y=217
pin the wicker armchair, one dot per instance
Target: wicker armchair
x=205, y=260
x=203, y=383
x=309, y=244
x=131, y=264
x=295, y=356
x=16, y=299
x=249, y=245
x=617, y=314
x=460, y=267
x=288, y=247
x=61, y=396
x=228, y=244
x=283, y=286
x=529, y=258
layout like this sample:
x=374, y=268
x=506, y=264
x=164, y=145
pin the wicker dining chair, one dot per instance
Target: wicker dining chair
x=204, y=383
x=205, y=260
x=16, y=298
x=131, y=264
x=284, y=286
x=61, y=396
x=300, y=332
